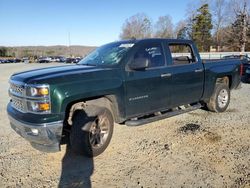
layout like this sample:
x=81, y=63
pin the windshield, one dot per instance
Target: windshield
x=109, y=54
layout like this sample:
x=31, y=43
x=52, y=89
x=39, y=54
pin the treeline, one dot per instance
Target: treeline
x=215, y=25
x=3, y=51
x=37, y=51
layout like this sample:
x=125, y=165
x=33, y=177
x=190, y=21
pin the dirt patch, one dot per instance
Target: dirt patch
x=190, y=128
x=212, y=137
x=233, y=110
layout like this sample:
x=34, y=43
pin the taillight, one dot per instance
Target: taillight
x=241, y=69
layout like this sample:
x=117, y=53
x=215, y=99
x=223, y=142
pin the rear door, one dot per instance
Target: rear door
x=187, y=74
x=147, y=90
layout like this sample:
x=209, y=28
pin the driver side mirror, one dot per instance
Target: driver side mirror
x=140, y=63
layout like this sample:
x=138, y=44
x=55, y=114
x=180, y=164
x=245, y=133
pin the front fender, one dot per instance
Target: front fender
x=65, y=94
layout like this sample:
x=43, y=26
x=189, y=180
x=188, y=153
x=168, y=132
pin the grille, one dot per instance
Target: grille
x=17, y=89
x=18, y=104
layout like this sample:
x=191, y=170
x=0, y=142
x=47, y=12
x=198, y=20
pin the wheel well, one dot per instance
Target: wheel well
x=101, y=101
x=225, y=79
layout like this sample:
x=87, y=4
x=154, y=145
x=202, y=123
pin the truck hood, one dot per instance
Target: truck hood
x=51, y=74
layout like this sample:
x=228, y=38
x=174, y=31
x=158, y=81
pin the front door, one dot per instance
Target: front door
x=147, y=90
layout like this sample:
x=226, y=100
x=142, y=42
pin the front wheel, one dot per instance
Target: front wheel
x=91, y=131
x=220, y=99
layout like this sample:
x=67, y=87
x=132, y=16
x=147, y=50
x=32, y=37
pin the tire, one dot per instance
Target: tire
x=220, y=99
x=91, y=131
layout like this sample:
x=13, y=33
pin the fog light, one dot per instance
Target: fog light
x=34, y=106
x=44, y=106
x=34, y=131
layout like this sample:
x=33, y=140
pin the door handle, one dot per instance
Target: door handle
x=198, y=70
x=166, y=75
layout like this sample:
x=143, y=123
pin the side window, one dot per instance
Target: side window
x=181, y=54
x=153, y=52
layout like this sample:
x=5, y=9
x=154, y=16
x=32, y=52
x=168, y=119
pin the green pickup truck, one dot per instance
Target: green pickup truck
x=130, y=82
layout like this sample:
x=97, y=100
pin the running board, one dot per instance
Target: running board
x=163, y=115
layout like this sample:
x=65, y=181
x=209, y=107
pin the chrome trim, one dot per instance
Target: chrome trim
x=198, y=70
x=166, y=75
x=23, y=103
x=34, y=125
x=28, y=98
x=14, y=87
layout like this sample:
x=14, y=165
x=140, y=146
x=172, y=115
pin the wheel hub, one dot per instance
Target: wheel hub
x=99, y=132
x=223, y=98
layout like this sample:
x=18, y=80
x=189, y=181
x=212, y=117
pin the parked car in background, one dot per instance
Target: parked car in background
x=53, y=58
x=69, y=60
x=245, y=68
x=17, y=60
x=44, y=60
x=25, y=60
x=5, y=61
x=10, y=60
x=247, y=76
x=62, y=59
x=73, y=59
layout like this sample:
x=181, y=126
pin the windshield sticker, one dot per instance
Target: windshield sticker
x=127, y=45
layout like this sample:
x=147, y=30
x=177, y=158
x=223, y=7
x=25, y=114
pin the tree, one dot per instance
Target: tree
x=3, y=52
x=220, y=15
x=240, y=26
x=201, y=28
x=237, y=33
x=181, y=30
x=164, y=27
x=138, y=26
x=190, y=18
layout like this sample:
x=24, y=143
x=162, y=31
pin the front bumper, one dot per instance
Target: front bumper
x=44, y=137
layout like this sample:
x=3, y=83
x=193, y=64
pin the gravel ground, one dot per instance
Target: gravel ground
x=197, y=149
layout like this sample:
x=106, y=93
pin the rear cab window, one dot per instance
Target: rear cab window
x=181, y=54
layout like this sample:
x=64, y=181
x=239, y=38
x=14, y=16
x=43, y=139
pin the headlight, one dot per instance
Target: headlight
x=38, y=98
x=38, y=91
x=34, y=106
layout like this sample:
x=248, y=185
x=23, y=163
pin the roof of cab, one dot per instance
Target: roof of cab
x=156, y=39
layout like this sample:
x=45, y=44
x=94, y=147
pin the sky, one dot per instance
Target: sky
x=76, y=22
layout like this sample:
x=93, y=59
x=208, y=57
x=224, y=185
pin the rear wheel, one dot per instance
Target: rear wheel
x=220, y=99
x=91, y=131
